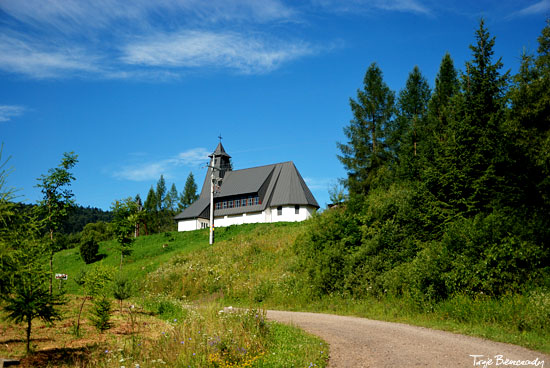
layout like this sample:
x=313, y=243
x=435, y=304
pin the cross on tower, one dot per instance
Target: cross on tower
x=220, y=137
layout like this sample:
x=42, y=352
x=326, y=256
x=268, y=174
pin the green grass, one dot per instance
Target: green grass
x=148, y=253
x=255, y=265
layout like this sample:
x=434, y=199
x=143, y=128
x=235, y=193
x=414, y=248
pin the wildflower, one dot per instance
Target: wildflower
x=182, y=342
x=106, y=351
x=175, y=319
x=121, y=360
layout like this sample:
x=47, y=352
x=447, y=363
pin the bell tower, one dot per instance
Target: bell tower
x=220, y=161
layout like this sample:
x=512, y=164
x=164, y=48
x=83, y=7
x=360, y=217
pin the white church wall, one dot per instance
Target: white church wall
x=289, y=214
x=246, y=218
x=269, y=215
x=188, y=225
x=254, y=217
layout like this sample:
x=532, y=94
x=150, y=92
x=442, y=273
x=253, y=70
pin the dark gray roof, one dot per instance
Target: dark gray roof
x=219, y=151
x=244, y=181
x=282, y=183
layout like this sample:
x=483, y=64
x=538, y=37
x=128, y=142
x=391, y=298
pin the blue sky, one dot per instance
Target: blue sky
x=143, y=88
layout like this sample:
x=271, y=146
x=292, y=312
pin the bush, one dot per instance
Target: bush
x=89, y=247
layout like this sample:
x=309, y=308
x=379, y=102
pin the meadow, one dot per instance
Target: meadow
x=182, y=287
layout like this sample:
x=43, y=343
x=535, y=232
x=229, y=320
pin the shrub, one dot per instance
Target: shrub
x=89, y=248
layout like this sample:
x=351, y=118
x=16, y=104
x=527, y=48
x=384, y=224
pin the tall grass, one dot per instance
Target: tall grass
x=211, y=336
x=259, y=267
x=256, y=265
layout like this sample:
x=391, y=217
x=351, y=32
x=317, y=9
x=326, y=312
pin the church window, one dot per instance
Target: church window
x=250, y=201
x=297, y=209
x=218, y=206
x=256, y=200
x=237, y=203
x=224, y=204
x=280, y=211
x=230, y=204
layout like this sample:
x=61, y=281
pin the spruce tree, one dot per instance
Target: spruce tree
x=528, y=128
x=446, y=86
x=151, y=212
x=173, y=197
x=411, y=123
x=150, y=204
x=472, y=158
x=161, y=193
x=189, y=194
x=366, y=151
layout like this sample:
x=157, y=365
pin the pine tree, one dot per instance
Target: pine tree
x=189, y=194
x=529, y=127
x=171, y=199
x=366, y=151
x=446, y=86
x=150, y=204
x=151, y=212
x=161, y=193
x=435, y=174
x=473, y=156
x=411, y=123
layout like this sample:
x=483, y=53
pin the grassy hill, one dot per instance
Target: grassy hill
x=255, y=265
x=166, y=321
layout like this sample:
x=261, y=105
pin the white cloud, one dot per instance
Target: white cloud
x=541, y=7
x=7, y=112
x=112, y=39
x=194, y=157
x=143, y=172
x=152, y=170
x=320, y=183
x=191, y=49
x=19, y=55
x=360, y=6
x=73, y=15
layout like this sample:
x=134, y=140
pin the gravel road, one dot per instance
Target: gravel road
x=359, y=342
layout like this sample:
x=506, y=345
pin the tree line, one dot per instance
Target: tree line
x=447, y=190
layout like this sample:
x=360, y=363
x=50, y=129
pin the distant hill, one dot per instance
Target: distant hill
x=78, y=217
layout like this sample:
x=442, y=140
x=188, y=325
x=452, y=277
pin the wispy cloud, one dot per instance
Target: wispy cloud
x=34, y=60
x=193, y=157
x=320, y=183
x=116, y=39
x=192, y=49
x=7, y=112
x=361, y=6
x=540, y=7
x=73, y=15
x=152, y=170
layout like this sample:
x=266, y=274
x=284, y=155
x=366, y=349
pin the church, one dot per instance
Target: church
x=270, y=193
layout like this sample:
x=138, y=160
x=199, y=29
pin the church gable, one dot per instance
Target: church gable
x=253, y=191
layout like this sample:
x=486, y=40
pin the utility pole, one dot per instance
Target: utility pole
x=212, y=206
x=213, y=183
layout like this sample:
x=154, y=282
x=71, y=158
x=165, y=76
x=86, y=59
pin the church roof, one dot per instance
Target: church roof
x=277, y=184
x=219, y=151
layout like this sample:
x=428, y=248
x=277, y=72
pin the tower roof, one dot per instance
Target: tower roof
x=219, y=151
